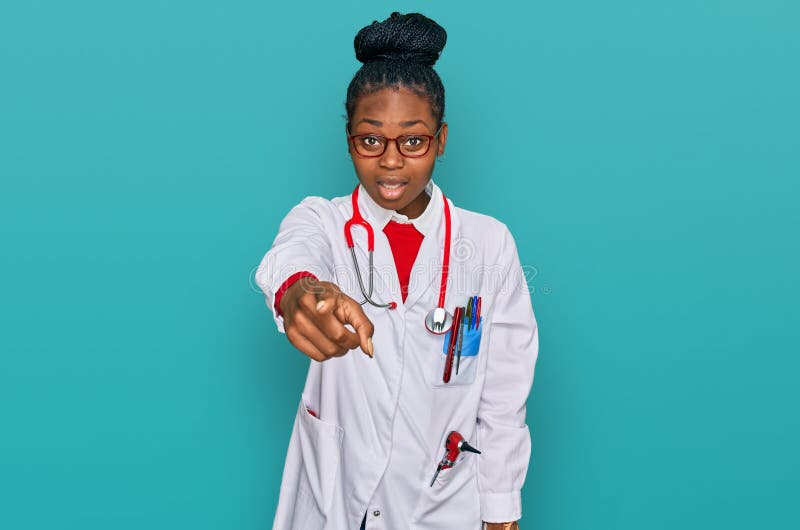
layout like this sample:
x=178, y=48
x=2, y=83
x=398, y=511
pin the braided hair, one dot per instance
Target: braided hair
x=399, y=52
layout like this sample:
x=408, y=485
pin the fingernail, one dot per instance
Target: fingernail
x=370, y=347
x=320, y=305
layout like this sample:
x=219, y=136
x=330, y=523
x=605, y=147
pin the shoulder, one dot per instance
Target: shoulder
x=492, y=233
x=479, y=220
x=318, y=208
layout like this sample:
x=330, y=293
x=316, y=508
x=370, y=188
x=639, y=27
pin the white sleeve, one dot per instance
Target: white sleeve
x=503, y=435
x=301, y=245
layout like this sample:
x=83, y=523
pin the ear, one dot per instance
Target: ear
x=442, y=139
x=347, y=135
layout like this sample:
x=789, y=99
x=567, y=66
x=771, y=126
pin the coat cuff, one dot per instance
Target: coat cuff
x=286, y=284
x=501, y=507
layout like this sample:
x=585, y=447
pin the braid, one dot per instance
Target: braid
x=399, y=51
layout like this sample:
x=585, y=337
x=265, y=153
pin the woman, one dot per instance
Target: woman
x=369, y=442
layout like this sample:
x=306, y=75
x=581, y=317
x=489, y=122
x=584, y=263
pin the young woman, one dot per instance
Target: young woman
x=385, y=440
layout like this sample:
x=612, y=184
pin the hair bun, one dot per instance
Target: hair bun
x=411, y=37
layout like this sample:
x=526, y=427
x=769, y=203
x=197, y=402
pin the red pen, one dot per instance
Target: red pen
x=451, y=346
x=478, y=314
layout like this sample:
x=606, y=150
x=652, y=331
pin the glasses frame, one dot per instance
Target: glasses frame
x=430, y=138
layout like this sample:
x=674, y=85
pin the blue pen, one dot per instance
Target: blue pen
x=473, y=322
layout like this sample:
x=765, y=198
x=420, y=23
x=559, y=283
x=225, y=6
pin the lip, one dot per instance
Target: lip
x=391, y=180
x=391, y=189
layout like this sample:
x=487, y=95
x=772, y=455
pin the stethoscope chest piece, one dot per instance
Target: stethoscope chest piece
x=439, y=321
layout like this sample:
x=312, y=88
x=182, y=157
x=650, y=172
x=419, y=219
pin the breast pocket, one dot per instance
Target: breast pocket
x=461, y=368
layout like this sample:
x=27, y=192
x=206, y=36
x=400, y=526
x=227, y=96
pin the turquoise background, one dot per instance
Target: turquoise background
x=644, y=154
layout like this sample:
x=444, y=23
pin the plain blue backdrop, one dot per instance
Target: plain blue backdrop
x=644, y=154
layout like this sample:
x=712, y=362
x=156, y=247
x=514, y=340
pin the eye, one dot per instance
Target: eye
x=371, y=141
x=413, y=143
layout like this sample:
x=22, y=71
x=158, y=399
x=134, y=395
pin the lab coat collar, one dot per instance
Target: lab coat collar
x=426, y=272
x=378, y=216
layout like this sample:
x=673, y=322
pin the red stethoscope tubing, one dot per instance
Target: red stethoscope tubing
x=356, y=219
x=446, y=256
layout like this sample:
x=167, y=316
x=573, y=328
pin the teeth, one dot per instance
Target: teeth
x=391, y=186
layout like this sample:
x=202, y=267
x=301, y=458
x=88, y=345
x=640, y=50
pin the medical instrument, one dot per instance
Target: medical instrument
x=356, y=219
x=454, y=444
x=438, y=320
x=451, y=346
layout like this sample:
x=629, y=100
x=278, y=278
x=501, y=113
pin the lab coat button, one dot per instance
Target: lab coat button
x=376, y=513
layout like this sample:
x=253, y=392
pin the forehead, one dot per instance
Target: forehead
x=393, y=106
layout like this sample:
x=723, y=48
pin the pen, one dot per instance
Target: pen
x=470, y=311
x=478, y=313
x=448, y=362
x=473, y=323
x=464, y=323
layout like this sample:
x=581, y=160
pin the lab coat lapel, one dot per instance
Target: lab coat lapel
x=427, y=271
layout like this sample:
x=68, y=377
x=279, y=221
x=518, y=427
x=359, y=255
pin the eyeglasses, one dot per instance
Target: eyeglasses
x=409, y=145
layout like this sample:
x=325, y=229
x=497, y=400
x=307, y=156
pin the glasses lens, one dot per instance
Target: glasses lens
x=414, y=145
x=369, y=144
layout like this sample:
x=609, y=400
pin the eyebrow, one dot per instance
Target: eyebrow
x=404, y=124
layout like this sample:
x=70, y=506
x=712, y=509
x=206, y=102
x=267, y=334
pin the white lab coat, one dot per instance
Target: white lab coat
x=382, y=422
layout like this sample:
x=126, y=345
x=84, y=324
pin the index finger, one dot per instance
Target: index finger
x=348, y=311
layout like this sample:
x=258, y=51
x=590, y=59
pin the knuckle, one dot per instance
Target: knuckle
x=352, y=341
x=324, y=289
x=307, y=301
x=340, y=336
x=332, y=350
x=294, y=336
x=299, y=323
x=324, y=349
x=370, y=327
x=316, y=356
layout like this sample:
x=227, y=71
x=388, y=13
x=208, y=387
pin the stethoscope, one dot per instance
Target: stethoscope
x=438, y=320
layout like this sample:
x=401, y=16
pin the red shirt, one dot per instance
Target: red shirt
x=404, y=240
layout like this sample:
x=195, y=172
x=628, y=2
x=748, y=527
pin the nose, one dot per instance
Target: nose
x=391, y=157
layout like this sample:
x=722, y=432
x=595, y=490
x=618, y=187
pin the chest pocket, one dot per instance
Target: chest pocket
x=463, y=367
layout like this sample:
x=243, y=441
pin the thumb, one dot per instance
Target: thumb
x=350, y=312
x=325, y=296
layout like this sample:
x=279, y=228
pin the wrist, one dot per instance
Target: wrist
x=289, y=286
x=501, y=526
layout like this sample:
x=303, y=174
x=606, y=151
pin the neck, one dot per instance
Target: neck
x=415, y=208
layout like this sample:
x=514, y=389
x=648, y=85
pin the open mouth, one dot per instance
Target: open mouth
x=391, y=189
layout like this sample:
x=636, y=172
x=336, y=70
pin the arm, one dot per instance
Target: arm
x=300, y=247
x=295, y=276
x=512, y=348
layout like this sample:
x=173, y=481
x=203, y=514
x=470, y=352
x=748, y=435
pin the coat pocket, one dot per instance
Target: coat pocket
x=306, y=515
x=452, y=501
x=464, y=368
x=321, y=448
